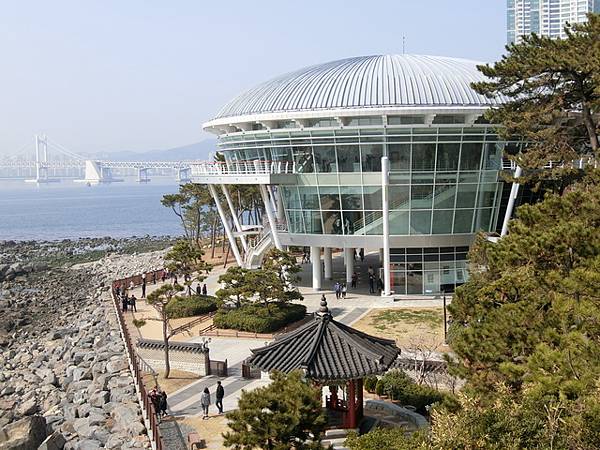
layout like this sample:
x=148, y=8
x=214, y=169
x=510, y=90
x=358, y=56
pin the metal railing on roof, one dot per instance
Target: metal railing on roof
x=254, y=167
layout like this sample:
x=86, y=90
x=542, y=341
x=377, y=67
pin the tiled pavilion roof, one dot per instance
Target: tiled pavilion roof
x=327, y=350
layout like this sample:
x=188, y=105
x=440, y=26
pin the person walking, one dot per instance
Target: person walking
x=204, y=290
x=132, y=301
x=205, y=402
x=154, y=277
x=371, y=271
x=220, y=393
x=354, y=280
x=162, y=401
x=361, y=253
x=344, y=290
x=379, y=285
x=124, y=302
x=198, y=290
x=371, y=283
x=144, y=286
x=337, y=287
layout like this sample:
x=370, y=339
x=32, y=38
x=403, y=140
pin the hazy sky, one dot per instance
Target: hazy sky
x=139, y=75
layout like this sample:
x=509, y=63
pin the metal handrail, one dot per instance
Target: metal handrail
x=252, y=167
x=509, y=164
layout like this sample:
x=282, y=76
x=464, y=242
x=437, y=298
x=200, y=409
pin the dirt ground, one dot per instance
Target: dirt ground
x=210, y=430
x=412, y=328
x=177, y=379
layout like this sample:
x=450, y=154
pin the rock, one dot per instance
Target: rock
x=55, y=441
x=28, y=407
x=83, y=427
x=25, y=434
x=98, y=399
x=117, y=365
x=88, y=444
x=126, y=418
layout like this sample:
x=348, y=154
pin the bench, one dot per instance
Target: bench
x=194, y=441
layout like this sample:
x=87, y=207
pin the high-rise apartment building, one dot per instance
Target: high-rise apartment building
x=545, y=17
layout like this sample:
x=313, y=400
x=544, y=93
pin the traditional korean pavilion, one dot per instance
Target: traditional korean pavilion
x=331, y=354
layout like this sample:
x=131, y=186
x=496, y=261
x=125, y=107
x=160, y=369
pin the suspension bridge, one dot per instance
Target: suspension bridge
x=52, y=162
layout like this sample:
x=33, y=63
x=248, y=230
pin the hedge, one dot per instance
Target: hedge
x=399, y=386
x=196, y=305
x=256, y=318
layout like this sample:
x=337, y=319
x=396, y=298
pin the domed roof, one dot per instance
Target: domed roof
x=366, y=82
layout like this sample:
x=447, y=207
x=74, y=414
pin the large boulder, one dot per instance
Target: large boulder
x=25, y=434
x=55, y=441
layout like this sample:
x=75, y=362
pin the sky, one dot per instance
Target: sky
x=137, y=75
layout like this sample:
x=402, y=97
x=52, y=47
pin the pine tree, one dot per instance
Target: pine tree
x=553, y=88
x=284, y=415
x=234, y=286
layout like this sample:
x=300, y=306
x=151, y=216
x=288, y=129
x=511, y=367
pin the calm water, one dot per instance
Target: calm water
x=72, y=210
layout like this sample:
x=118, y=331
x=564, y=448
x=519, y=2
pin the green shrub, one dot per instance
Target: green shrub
x=400, y=387
x=370, y=383
x=256, y=318
x=196, y=305
x=380, y=387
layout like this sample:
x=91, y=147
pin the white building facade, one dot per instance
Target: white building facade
x=318, y=141
x=545, y=17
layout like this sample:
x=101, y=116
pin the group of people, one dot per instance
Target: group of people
x=159, y=400
x=128, y=302
x=340, y=290
x=205, y=400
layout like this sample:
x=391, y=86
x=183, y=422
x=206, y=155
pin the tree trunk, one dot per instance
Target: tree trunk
x=213, y=238
x=590, y=126
x=166, y=342
x=226, y=256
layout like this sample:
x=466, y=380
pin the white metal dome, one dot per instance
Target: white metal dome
x=366, y=82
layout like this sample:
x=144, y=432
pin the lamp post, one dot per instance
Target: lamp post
x=445, y=321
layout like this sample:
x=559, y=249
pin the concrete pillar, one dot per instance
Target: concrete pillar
x=228, y=232
x=328, y=263
x=385, y=181
x=236, y=220
x=315, y=259
x=381, y=257
x=269, y=210
x=349, y=261
x=514, y=190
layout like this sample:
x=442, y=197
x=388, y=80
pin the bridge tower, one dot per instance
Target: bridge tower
x=41, y=161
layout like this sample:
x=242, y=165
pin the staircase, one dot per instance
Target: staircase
x=257, y=249
x=335, y=439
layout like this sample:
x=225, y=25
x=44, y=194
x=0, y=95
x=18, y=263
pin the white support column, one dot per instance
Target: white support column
x=349, y=261
x=236, y=220
x=228, y=232
x=315, y=260
x=514, y=190
x=328, y=263
x=279, y=202
x=269, y=210
x=385, y=179
x=381, y=257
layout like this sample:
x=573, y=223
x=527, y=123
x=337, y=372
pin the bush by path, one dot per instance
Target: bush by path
x=196, y=305
x=256, y=318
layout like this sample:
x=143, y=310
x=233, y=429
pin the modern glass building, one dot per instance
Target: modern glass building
x=545, y=17
x=314, y=141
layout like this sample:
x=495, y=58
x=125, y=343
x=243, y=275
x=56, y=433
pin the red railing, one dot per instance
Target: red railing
x=135, y=364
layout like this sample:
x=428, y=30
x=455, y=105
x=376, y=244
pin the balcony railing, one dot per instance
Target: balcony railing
x=255, y=167
x=575, y=164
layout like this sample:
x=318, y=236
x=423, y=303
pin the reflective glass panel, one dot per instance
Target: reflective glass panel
x=466, y=195
x=353, y=222
x=351, y=197
x=332, y=222
x=423, y=157
x=421, y=196
x=371, y=157
x=295, y=223
x=444, y=196
x=420, y=222
x=487, y=193
x=373, y=222
x=291, y=199
x=304, y=159
x=463, y=219
x=348, y=158
x=372, y=196
x=442, y=221
x=312, y=222
x=470, y=156
x=399, y=155
x=399, y=197
x=309, y=198
x=330, y=198
x=325, y=158
x=483, y=221
x=399, y=222
x=447, y=156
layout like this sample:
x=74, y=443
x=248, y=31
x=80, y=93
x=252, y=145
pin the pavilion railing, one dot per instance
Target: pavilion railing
x=254, y=167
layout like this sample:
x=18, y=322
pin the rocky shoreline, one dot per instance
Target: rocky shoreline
x=64, y=375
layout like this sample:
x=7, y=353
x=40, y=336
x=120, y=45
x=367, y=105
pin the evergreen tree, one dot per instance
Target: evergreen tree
x=187, y=258
x=284, y=415
x=554, y=90
x=234, y=286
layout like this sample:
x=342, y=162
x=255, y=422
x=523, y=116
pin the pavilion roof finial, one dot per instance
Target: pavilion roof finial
x=324, y=310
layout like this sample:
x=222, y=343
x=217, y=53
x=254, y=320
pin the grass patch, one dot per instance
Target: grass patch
x=390, y=317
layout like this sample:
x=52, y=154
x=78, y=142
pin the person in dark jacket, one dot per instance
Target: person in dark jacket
x=219, y=397
x=163, y=403
x=124, y=302
x=132, y=301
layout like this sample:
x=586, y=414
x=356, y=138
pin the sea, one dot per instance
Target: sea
x=69, y=210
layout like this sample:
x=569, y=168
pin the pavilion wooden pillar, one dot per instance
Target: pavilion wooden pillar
x=359, y=399
x=352, y=404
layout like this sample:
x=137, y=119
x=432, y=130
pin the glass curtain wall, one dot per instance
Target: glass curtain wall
x=444, y=180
